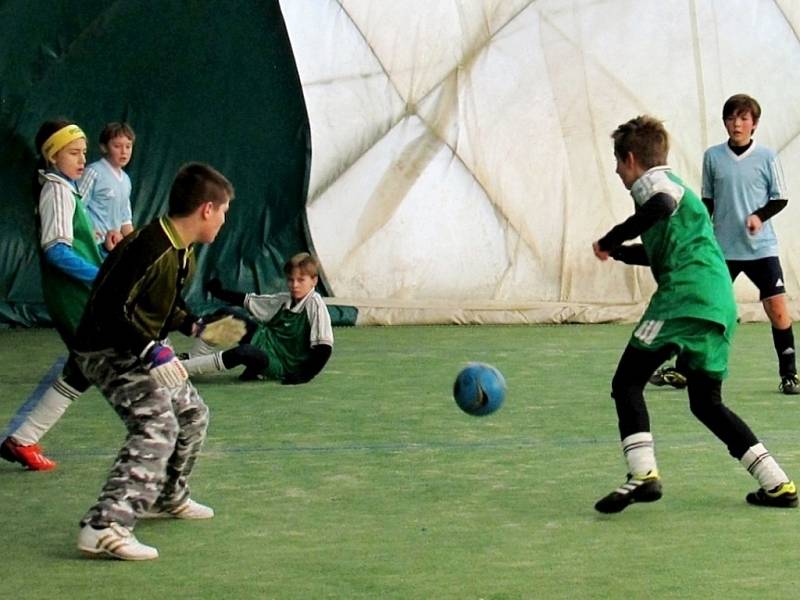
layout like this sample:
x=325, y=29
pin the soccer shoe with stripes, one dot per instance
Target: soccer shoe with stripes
x=635, y=489
x=668, y=376
x=30, y=456
x=189, y=510
x=789, y=385
x=783, y=496
x=114, y=541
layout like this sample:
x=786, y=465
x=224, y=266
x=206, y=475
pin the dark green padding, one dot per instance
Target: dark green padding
x=211, y=81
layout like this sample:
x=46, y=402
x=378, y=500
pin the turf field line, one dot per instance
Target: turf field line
x=27, y=406
x=674, y=442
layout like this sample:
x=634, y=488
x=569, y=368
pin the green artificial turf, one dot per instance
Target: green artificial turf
x=370, y=483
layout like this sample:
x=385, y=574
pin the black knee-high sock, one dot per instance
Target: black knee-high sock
x=784, y=347
x=252, y=358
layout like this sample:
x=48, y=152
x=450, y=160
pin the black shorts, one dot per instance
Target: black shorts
x=765, y=273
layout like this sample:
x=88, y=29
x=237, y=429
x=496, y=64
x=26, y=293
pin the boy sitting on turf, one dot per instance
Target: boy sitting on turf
x=289, y=335
x=692, y=314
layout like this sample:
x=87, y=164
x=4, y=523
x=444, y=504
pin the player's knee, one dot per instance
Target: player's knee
x=778, y=311
x=252, y=358
x=194, y=421
x=705, y=396
x=161, y=430
x=201, y=417
x=623, y=389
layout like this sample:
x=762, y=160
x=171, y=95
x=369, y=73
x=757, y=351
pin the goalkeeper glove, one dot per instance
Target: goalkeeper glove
x=164, y=366
x=227, y=331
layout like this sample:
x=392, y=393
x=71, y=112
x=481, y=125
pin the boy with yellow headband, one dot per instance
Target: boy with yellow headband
x=70, y=262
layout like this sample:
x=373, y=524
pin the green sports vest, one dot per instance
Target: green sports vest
x=687, y=263
x=64, y=296
x=285, y=339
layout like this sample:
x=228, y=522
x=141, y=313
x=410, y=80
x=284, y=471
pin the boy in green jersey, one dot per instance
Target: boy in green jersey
x=289, y=335
x=692, y=315
x=70, y=262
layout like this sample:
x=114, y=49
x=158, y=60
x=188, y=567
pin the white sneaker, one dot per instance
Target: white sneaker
x=115, y=541
x=189, y=510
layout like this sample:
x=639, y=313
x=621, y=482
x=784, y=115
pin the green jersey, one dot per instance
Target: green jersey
x=63, y=219
x=686, y=261
x=287, y=331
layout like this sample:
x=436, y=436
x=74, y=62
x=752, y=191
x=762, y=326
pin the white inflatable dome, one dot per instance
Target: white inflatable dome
x=461, y=150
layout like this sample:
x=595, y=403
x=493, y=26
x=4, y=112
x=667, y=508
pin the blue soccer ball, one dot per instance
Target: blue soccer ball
x=479, y=389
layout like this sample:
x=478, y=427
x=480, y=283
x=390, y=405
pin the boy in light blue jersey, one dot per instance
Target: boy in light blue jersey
x=106, y=187
x=692, y=315
x=743, y=187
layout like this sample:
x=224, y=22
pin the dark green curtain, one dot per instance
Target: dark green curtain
x=203, y=80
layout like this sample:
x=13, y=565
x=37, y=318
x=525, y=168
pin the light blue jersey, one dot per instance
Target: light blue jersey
x=107, y=194
x=740, y=185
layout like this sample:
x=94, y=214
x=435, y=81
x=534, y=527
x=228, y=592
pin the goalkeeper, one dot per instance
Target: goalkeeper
x=121, y=348
x=289, y=337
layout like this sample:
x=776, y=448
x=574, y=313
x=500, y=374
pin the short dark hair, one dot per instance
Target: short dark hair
x=304, y=261
x=114, y=130
x=195, y=184
x=741, y=103
x=646, y=138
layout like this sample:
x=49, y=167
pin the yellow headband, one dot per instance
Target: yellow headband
x=59, y=139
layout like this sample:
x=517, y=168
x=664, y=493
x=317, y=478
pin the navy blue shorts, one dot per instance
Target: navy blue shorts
x=765, y=273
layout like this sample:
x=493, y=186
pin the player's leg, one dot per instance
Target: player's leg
x=705, y=401
x=783, y=340
x=193, y=416
x=140, y=469
x=627, y=388
x=22, y=443
x=254, y=360
x=767, y=275
x=706, y=349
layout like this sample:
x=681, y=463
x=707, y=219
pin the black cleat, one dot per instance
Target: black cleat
x=790, y=385
x=668, y=376
x=783, y=496
x=647, y=489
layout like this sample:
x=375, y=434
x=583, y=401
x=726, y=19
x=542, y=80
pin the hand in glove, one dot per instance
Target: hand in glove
x=164, y=366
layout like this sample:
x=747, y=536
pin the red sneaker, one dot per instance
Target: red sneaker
x=30, y=457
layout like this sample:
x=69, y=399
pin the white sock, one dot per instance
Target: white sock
x=640, y=454
x=45, y=413
x=200, y=348
x=208, y=363
x=760, y=464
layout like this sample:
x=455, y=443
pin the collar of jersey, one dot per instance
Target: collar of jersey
x=652, y=181
x=172, y=233
x=301, y=304
x=57, y=178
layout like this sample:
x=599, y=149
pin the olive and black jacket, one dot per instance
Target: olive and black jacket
x=136, y=299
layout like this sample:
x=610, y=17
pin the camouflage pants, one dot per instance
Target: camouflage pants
x=166, y=429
